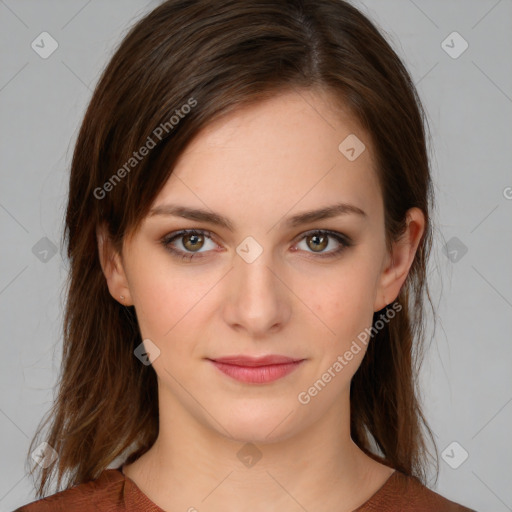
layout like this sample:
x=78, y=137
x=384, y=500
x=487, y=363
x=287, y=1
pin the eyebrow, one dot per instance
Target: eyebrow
x=306, y=217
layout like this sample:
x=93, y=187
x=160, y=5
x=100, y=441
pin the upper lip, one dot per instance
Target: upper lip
x=241, y=360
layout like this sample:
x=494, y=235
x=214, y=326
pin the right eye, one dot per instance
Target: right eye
x=192, y=240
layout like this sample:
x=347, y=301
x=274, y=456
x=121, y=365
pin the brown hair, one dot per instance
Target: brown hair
x=215, y=57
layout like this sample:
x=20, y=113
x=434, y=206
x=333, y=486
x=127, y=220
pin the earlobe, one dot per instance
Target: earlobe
x=399, y=261
x=112, y=267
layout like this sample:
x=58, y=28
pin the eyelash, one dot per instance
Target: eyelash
x=167, y=240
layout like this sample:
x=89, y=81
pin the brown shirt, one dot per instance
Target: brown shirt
x=112, y=491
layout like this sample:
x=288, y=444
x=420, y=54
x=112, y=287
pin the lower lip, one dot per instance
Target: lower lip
x=257, y=374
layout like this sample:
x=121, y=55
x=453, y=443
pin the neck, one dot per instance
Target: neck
x=193, y=466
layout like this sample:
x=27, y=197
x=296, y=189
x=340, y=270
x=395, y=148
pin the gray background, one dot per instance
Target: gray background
x=467, y=375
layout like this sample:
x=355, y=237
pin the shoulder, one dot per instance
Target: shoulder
x=106, y=492
x=408, y=494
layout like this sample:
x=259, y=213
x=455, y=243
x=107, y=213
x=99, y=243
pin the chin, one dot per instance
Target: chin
x=260, y=425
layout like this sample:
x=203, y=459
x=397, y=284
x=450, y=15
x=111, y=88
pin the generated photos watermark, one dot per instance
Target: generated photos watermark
x=337, y=366
x=137, y=156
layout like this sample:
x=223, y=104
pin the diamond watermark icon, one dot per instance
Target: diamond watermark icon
x=44, y=250
x=454, y=455
x=146, y=352
x=351, y=147
x=44, y=455
x=455, y=250
x=249, y=454
x=44, y=45
x=454, y=45
x=249, y=249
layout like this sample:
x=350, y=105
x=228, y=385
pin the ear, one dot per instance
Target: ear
x=112, y=267
x=399, y=261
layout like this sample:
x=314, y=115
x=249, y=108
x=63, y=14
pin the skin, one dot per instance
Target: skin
x=258, y=166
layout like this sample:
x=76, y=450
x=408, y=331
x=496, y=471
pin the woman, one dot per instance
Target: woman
x=248, y=229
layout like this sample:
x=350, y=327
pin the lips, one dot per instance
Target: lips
x=256, y=370
x=255, y=361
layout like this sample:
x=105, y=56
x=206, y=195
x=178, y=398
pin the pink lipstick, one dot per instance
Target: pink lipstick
x=256, y=370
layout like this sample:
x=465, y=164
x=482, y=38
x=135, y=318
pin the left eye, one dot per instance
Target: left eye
x=320, y=240
x=192, y=241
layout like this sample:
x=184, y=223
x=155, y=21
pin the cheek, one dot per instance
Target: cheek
x=166, y=298
x=343, y=300
x=170, y=312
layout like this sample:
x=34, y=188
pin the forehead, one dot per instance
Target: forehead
x=289, y=120
x=280, y=155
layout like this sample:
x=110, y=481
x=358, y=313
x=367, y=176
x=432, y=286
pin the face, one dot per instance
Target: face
x=259, y=283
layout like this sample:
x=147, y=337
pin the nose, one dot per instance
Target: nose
x=257, y=299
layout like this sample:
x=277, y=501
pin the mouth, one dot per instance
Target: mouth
x=256, y=370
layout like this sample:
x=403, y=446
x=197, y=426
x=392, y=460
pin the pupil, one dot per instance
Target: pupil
x=194, y=240
x=319, y=241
